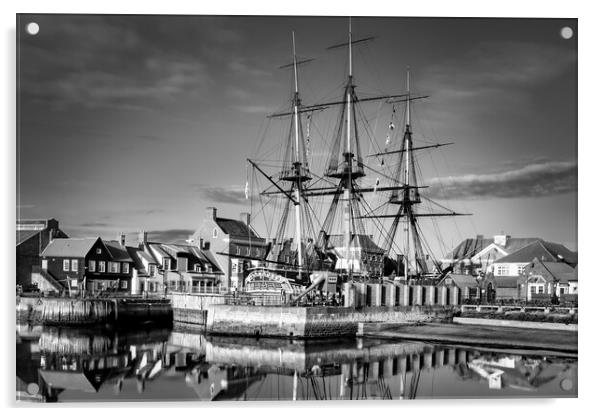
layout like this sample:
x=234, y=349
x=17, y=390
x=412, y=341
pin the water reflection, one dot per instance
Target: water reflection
x=66, y=364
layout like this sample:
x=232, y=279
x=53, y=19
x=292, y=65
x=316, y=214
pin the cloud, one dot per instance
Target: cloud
x=224, y=195
x=174, y=235
x=101, y=62
x=535, y=180
x=239, y=66
x=500, y=72
x=95, y=225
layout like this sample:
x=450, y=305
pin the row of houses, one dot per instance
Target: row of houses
x=222, y=250
x=219, y=253
x=506, y=268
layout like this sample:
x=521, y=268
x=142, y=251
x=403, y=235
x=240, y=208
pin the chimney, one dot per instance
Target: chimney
x=245, y=217
x=211, y=213
x=480, y=236
x=122, y=239
x=501, y=240
x=142, y=237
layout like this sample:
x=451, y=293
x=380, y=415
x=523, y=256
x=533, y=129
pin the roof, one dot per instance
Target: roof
x=236, y=228
x=136, y=254
x=361, y=240
x=471, y=246
x=69, y=247
x=463, y=280
x=559, y=270
x=542, y=250
x=159, y=248
x=207, y=256
x=117, y=251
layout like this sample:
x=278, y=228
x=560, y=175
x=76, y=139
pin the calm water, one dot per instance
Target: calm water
x=66, y=365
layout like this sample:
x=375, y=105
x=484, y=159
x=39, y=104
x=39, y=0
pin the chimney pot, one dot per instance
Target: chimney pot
x=142, y=237
x=245, y=217
x=211, y=213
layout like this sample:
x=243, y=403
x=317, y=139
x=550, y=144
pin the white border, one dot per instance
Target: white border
x=589, y=188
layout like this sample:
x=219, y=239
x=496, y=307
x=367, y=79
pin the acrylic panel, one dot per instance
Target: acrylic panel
x=295, y=208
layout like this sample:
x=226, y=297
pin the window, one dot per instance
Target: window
x=92, y=265
x=215, y=233
x=540, y=289
x=113, y=267
x=502, y=270
x=166, y=264
x=238, y=251
x=73, y=282
x=197, y=268
x=123, y=283
x=248, y=251
x=532, y=289
x=125, y=268
x=521, y=269
x=66, y=265
x=44, y=264
x=99, y=251
x=74, y=265
x=101, y=266
x=562, y=291
x=152, y=269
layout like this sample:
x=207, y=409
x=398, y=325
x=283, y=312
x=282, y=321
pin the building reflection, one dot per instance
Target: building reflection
x=54, y=360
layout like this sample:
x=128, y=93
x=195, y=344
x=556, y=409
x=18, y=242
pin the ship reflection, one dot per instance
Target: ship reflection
x=189, y=366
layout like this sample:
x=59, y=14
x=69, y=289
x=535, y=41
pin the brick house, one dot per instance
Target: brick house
x=475, y=256
x=88, y=263
x=541, y=279
x=505, y=273
x=32, y=238
x=234, y=244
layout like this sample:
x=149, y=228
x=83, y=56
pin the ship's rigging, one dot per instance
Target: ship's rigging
x=297, y=187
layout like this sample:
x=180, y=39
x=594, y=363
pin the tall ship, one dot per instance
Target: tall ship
x=346, y=216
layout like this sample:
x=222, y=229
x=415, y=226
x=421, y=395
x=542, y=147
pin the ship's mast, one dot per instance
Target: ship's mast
x=297, y=165
x=406, y=181
x=347, y=197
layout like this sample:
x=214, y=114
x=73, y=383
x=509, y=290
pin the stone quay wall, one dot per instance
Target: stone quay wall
x=311, y=321
x=75, y=311
x=192, y=308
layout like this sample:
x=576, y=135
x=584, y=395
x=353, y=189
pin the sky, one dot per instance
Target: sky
x=129, y=123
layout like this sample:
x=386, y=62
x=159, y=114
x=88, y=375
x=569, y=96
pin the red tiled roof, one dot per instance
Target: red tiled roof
x=118, y=252
x=69, y=247
x=542, y=250
x=236, y=228
x=471, y=246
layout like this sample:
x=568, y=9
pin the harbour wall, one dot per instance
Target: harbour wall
x=69, y=311
x=192, y=308
x=311, y=321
